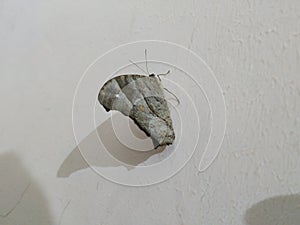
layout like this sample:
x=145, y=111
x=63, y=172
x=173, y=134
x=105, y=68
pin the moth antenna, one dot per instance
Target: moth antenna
x=138, y=66
x=146, y=61
x=177, y=99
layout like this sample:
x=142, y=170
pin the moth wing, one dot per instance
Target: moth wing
x=155, y=120
x=142, y=99
x=112, y=97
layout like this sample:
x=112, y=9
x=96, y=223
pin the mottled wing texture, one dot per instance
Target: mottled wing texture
x=142, y=99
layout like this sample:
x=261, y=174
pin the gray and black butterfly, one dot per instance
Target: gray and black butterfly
x=141, y=98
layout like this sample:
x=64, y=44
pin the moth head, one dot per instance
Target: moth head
x=158, y=75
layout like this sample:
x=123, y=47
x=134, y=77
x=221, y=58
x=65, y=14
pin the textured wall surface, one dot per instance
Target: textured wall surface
x=253, y=46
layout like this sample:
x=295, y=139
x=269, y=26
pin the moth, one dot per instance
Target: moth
x=141, y=98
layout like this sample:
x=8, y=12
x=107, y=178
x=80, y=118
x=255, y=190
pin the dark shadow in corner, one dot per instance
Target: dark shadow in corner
x=281, y=210
x=98, y=156
x=21, y=199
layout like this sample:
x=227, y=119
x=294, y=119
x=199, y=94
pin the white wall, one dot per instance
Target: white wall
x=252, y=46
